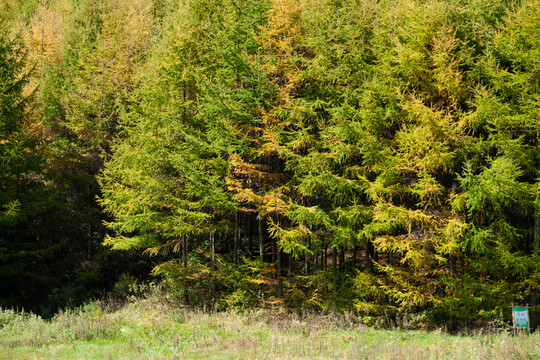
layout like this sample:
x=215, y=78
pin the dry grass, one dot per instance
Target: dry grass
x=152, y=329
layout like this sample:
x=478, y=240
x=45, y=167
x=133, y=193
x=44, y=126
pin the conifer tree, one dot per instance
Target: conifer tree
x=165, y=183
x=453, y=183
x=283, y=149
x=83, y=79
x=23, y=199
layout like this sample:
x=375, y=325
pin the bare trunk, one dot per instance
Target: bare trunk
x=213, y=264
x=261, y=239
x=536, y=237
x=306, y=266
x=279, y=273
x=185, y=249
x=236, y=241
x=213, y=250
x=371, y=255
x=251, y=248
x=534, y=292
x=334, y=274
x=354, y=256
x=289, y=269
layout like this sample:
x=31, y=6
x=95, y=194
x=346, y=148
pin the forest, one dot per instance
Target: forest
x=379, y=157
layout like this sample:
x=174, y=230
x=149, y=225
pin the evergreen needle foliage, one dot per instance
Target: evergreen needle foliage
x=375, y=156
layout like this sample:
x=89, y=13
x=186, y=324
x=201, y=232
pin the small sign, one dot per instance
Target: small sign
x=521, y=317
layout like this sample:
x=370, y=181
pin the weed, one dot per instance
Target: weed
x=152, y=328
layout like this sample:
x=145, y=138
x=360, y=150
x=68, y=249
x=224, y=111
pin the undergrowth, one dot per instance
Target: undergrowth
x=158, y=327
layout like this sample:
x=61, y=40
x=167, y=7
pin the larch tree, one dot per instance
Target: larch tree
x=165, y=184
x=24, y=272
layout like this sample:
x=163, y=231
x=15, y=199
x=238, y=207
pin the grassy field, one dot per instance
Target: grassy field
x=150, y=329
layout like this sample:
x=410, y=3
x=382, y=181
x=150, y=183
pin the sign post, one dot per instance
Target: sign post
x=520, y=317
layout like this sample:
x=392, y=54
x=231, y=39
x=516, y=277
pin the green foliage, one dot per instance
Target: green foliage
x=23, y=197
x=320, y=154
x=166, y=178
x=341, y=124
x=241, y=287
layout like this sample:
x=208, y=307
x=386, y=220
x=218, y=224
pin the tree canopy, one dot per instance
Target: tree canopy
x=375, y=156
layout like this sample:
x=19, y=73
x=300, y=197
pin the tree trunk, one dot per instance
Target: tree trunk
x=185, y=249
x=354, y=256
x=213, y=264
x=236, y=241
x=289, y=270
x=251, y=247
x=536, y=237
x=261, y=239
x=334, y=275
x=306, y=261
x=370, y=252
x=279, y=273
x=534, y=292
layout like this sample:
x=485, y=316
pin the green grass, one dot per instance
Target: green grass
x=151, y=329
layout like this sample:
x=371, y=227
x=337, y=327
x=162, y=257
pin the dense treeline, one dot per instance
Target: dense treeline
x=376, y=156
